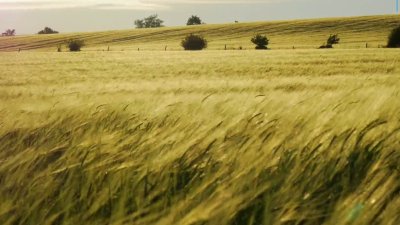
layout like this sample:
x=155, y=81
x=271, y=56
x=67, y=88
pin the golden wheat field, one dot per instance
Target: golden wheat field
x=285, y=136
x=355, y=32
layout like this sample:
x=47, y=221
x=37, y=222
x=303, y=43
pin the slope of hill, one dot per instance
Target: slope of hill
x=355, y=32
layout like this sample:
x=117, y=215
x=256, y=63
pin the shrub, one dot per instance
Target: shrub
x=48, y=30
x=332, y=39
x=394, y=38
x=261, y=41
x=194, y=20
x=194, y=42
x=75, y=45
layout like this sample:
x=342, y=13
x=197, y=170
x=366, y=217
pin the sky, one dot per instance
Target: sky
x=30, y=16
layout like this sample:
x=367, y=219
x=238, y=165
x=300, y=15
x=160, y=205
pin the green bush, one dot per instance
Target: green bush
x=194, y=42
x=332, y=39
x=261, y=41
x=394, y=38
x=194, y=20
x=48, y=30
x=75, y=45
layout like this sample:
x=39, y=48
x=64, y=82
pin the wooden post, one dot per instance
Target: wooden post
x=165, y=48
x=225, y=47
x=108, y=49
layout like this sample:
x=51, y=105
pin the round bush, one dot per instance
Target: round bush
x=75, y=45
x=394, y=38
x=261, y=41
x=194, y=42
x=194, y=20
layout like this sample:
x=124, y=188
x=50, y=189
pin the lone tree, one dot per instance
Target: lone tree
x=194, y=42
x=394, y=38
x=9, y=33
x=194, y=20
x=149, y=22
x=75, y=45
x=332, y=39
x=261, y=41
x=48, y=30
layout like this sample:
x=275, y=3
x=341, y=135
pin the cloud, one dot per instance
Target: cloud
x=114, y=4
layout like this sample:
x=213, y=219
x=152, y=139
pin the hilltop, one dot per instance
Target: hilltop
x=305, y=33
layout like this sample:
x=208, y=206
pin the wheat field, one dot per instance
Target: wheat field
x=355, y=32
x=247, y=137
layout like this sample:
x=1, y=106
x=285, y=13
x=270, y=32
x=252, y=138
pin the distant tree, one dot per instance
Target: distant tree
x=149, y=22
x=48, y=30
x=394, y=38
x=194, y=20
x=139, y=24
x=332, y=39
x=194, y=42
x=9, y=32
x=261, y=41
x=75, y=45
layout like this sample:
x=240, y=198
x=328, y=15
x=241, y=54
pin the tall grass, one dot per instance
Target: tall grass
x=110, y=167
x=296, y=137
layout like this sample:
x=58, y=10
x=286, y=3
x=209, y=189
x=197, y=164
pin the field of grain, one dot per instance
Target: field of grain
x=153, y=137
x=354, y=32
x=200, y=138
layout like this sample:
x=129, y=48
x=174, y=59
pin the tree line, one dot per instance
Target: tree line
x=12, y=32
x=153, y=21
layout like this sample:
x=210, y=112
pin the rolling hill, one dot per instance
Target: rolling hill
x=355, y=32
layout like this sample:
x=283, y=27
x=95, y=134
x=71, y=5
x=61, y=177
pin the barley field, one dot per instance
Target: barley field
x=301, y=136
x=354, y=32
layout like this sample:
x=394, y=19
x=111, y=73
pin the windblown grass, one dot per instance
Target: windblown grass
x=211, y=138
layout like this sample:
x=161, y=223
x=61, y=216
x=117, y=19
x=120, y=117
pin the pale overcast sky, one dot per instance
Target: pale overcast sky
x=30, y=16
